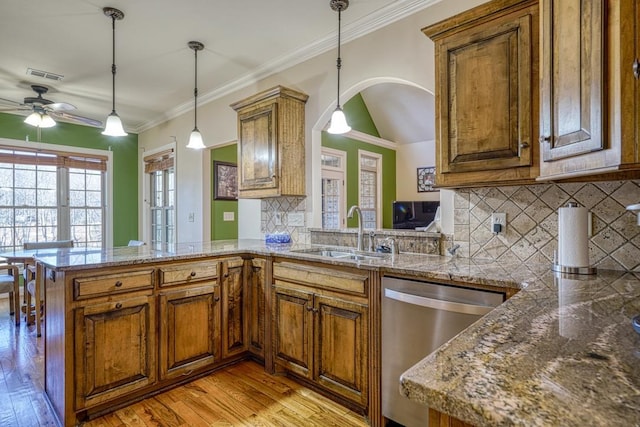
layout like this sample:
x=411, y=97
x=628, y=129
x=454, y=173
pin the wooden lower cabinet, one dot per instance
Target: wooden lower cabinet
x=256, y=302
x=340, y=347
x=115, y=349
x=440, y=419
x=234, y=326
x=293, y=323
x=322, y=335
x=189, y=329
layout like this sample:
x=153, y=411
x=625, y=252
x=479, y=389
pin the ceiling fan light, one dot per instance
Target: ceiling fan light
x=195, y=140
x=114, y=126
x=338, y=123
x=33, y=119
x=47, y=121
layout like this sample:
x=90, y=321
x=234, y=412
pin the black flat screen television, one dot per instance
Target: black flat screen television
x=409, y=215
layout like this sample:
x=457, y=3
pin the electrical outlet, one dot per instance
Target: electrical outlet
x=277, y=218
x=498, y=219
x=295, y=219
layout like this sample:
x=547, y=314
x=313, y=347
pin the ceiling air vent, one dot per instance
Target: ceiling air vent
x=44, y=74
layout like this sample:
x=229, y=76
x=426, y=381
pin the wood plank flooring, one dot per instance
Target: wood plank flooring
x=241, y=395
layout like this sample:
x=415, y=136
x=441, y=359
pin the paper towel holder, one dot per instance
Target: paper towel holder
x=636, y=211
x=575, y=270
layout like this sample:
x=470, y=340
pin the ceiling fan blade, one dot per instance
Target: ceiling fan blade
x=8, y=101
x=74, y=118
x=60, y=106
x=16, y=109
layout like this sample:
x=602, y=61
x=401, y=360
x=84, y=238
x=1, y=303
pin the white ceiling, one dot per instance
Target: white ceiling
x=245, y=40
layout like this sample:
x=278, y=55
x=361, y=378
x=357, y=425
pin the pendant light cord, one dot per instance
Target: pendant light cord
x=339, y=60
x=195, y=93
x=113, y=63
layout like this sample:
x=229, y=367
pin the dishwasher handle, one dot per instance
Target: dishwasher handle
x=437, y=304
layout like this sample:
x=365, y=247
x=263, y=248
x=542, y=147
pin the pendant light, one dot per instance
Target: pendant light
x=113, y=127
x=338, y=120
x=195, y=139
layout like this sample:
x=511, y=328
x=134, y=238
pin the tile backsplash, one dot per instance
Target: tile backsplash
x=532, y=222
x=276, y=215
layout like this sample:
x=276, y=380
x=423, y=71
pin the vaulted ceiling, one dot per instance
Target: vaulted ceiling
x=245, y=40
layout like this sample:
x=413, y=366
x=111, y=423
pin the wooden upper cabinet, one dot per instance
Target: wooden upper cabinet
x=573, y=107
x=486, y=63
x=589, y=94
x=271, y=139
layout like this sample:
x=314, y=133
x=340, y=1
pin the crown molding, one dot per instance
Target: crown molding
x=370, y=139
x=368, y=24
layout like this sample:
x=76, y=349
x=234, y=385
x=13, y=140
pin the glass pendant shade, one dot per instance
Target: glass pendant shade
x=195, y=140
x=113, y=127
x=40, y=120
x=34, y=119
x=338, y=123
x=47, y=121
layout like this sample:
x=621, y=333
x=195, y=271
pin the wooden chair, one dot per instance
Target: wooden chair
x=10, y=283
x=31, y=279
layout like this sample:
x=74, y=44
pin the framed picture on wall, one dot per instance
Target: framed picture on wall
x=426, y=179
x=225, y=181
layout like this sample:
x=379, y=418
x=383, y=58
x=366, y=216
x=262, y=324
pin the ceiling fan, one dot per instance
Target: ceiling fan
x=42, y=110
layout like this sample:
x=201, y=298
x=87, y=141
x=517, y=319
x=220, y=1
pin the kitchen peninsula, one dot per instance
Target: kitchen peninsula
x=560, y=351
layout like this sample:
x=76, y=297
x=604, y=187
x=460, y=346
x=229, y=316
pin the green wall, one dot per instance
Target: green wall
x=125, y=164
x=359, y=119
x=222, y=230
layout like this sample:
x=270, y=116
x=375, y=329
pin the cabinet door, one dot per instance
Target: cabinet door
x=257, y=148
x=573, y=99
x=341, y=347
x=485, y=96
x=256, y=294
x=293, y=330
x=115, y=348
x=189, y=329
x=233, y=310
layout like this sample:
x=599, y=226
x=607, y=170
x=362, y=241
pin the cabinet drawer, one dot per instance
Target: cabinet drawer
x=88, y=287
x=321, y=277
x=186, y=273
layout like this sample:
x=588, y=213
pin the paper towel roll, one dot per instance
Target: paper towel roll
x=573, y=236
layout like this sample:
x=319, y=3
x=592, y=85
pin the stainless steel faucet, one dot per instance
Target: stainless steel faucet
x=356, y=209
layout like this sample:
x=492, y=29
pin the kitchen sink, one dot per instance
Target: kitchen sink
x=343, y=254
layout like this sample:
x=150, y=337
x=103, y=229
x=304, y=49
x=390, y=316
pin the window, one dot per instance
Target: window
x=161, y=172
x=370, y=188
x=48, y=195
x=333, y=189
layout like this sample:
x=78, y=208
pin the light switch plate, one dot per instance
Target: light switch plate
x=228, y=216
x=295, y=219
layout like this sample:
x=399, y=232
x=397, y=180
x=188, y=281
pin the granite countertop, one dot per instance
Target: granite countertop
x=560, y=352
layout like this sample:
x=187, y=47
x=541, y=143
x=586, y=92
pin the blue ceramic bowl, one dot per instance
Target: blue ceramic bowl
x=636, y=323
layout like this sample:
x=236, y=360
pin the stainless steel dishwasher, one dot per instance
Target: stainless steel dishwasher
x=417, y=318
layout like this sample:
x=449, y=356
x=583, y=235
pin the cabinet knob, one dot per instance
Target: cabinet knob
x=315, y=310
x=309, y=308
x=216, y=299
x=193, y=274
x=226, y=274
x=118, y=306
x=636, y=68
x=118, y=284
x=524, y=145
x=545, y=138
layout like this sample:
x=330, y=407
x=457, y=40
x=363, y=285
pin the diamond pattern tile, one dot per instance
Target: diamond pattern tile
x=532, y=221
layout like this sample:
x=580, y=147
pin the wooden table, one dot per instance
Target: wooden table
x=28, y=258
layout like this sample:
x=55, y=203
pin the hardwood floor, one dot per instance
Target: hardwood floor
x=241, y=395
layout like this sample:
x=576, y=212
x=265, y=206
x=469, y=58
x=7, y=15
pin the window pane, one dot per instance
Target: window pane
x=76, y=181
x=330, y=160
x=25, y=197
x=25, y=177
x=47, y=197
